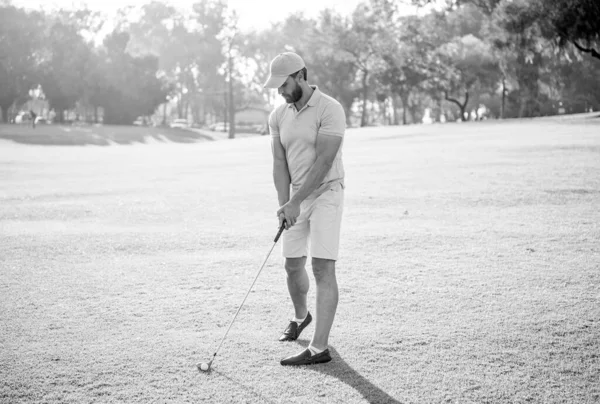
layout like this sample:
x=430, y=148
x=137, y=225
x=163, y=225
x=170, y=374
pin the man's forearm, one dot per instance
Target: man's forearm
x=314, y=178
x=281, y=178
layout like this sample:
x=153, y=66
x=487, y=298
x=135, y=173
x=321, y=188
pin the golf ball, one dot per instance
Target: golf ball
x=204, y=366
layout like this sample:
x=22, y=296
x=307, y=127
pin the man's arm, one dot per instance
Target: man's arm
x=327, y=148
x=281, y=174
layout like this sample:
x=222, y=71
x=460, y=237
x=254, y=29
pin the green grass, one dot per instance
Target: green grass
x=100, y=135
x=470, y=270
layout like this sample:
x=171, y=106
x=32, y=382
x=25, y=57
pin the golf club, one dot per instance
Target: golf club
x=205, y=366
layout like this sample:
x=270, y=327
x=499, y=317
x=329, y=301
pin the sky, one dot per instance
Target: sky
x=253, y=14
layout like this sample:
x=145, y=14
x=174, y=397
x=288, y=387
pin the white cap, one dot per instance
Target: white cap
x=281, y=67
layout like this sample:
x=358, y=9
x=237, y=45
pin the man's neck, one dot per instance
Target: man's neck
x=306, y=94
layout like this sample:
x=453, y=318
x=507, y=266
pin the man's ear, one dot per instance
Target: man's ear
x=301, y=76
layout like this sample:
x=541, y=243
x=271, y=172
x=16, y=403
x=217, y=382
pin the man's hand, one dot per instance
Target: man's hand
x=289, y=212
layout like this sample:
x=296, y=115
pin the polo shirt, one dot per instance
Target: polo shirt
x=298, y=131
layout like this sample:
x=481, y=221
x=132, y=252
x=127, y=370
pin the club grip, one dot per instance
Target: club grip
x=279, y=232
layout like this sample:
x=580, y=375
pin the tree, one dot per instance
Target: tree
x=63, y=65
x=572, y=81
x=210, y=18
x=189, y=47
x=363, y=37
x=488, y=6
x=518, y=36
x=132, y=87
x=410, y=62
x=261, y=47
x=19, y=50
x=473, y=68
x=331, y=68
x=231, y=38
x=152, y=34
x=573, y=21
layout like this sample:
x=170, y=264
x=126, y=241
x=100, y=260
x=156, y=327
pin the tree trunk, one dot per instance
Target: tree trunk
x=388, y=105
x=365, y=94
x=414, y=114
x=372, y=115
x=179, y=105
x=4, y=112
x=395, y=109
x=196, y=111
x=231, y=100
x=60, y=116
x=225, y=107
x=523, y=108
x=461, y=106
x=528, y=75
x=404, y=98
x=348, y=112
x=503, y=110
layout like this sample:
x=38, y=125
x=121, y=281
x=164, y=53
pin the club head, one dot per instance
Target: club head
x=204, y=367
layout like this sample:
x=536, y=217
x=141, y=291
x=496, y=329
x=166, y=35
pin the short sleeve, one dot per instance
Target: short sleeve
x=333, y=120
x=273, y=124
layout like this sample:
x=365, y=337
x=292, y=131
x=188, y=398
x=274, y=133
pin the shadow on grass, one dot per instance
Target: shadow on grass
x=247, y=389
x=340, y=370
x=101, y=136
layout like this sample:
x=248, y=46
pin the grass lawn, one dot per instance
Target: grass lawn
x=100, y=135
x=470, y=268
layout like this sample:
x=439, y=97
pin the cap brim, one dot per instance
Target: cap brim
x=275, y=81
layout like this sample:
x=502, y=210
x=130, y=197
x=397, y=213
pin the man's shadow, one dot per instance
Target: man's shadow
x=340, y=370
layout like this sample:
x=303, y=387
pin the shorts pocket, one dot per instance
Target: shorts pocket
x=333, y=195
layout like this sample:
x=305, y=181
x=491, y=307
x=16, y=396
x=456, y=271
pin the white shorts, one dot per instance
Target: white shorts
x=319, y=222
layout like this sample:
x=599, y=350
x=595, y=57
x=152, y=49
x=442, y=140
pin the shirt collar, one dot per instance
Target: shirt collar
x=313, y=100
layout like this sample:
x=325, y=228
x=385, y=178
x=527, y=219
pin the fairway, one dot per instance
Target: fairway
x=469, y=270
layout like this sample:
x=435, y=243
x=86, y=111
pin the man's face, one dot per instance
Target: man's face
x=290, y=90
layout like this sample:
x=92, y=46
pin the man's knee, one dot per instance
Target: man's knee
x=323, y=268
x=295, y=265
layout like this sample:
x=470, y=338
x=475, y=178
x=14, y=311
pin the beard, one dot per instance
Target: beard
x=295, y=96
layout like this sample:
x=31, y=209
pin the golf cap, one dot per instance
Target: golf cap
x=281, y=67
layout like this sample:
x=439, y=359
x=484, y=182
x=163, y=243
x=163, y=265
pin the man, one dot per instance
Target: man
x=33, y=115
x=307, y=134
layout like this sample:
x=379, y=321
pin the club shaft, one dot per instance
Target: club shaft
x=245, y=297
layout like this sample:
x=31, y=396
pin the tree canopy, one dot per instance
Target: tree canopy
x=455, y=60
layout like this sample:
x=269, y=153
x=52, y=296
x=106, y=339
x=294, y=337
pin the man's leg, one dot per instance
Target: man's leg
x=294, y=243
x=325, y=223
x=327, y=300
x=298, y=284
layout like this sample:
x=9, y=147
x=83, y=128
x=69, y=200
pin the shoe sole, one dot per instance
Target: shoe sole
x=307, y=363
